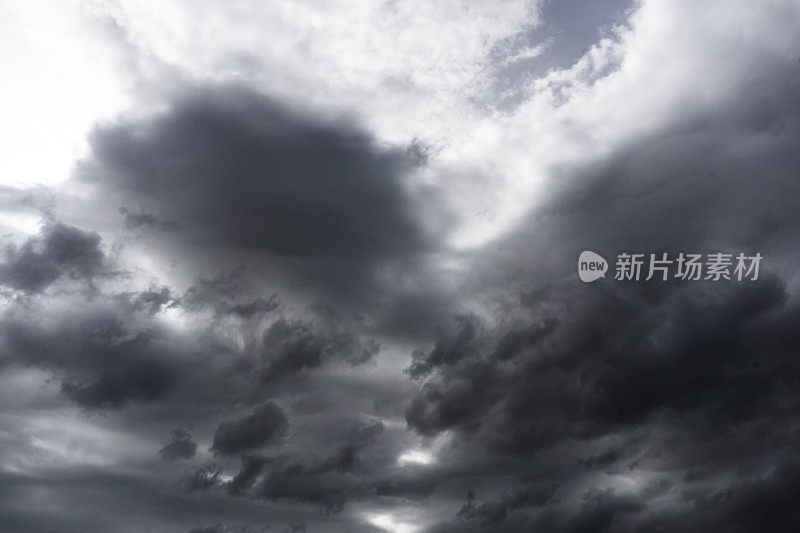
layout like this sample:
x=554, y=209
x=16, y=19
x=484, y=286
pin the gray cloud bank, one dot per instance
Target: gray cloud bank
x=231, y=404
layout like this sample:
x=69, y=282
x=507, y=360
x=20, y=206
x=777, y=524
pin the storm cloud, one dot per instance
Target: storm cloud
x=180, y=446
x=303, y=277
x=267, y=424
x=234, y=170
x=59, y=250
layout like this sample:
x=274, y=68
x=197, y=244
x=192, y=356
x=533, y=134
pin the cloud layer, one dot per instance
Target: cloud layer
x=325, y=280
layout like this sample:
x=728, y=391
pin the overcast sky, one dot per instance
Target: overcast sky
x=311, y=266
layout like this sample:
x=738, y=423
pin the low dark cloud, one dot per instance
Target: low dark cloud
x=600, y=510
x=144, y=220
x=114, y=349
x=238, y=171
x=180, y=446
x=614, y=363
x=151, y=300
x=497, y=511
x=336, y=365
x=327, y=483
x=134, y=379
x=59, y=250
x=203, y=478
x=290, y=348
x=100, y=358
x=763, y=503
x=266, y=425
x=601, y=460
x=234, y=528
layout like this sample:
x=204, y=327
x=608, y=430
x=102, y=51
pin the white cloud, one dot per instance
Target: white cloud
x=61, y=73
x=405, y=67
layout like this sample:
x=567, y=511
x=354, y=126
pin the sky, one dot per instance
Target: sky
x=306, y=266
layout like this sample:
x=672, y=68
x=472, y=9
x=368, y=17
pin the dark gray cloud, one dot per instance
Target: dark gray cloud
x=637, y=349
x=700, y=362
x=142, y=219
x=101, y=361
x=550, y=404
x=293, y=347
x=768, y=502
x=237, y=171
x=266, y=425
x=59, y=250
x=151, y=301
x=601, y=460
x=202, y=478
x=234, y=528
x=114, y=349
x=601, y=509
x=327, y=483
x=134, y=379
x=180, y=446
x=497, y=511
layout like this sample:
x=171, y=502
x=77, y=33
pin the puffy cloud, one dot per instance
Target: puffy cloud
x=497, y=511
x=237, y=169
x=103, y=358
x=133, y=380
x=266, y=425
x=327, y=482
x=59, y=250
x=412, y=269
x=302, y=199
x=180, y=446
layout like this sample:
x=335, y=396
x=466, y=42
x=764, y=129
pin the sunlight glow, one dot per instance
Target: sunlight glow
x=388, y=522
x=415, y=457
